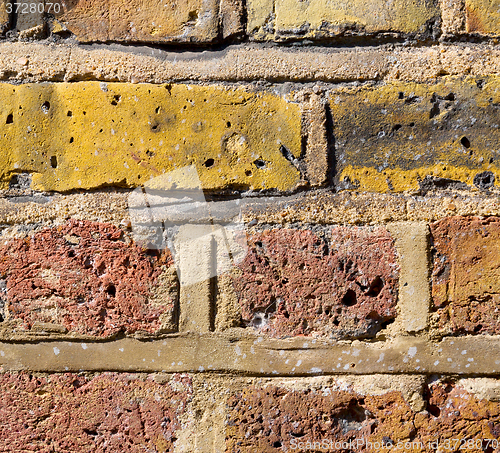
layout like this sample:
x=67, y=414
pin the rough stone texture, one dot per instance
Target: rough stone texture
x=265, y=419
x=483, y=17
x=452, y=17
x=285, y=19
x=412, y=243
x=465, y=278
x=29, y=19
x=191, y=21
x=88, y=277
x=298, y=282
x=89, y=135
x=4, y=18
x=34, y=62
x=106, y=413
x=408, y=136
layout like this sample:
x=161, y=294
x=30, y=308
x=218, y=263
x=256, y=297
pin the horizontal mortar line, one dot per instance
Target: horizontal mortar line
x=33, y=62
x=258, y=356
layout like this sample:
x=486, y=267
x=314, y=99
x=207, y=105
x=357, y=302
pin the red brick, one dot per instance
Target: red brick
x=90, y=277
x=73, y=413
x=466, y=274
x=274, y=419
x=340, y=282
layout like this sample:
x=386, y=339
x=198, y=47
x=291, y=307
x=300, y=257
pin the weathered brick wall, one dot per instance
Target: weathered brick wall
x=249, y=226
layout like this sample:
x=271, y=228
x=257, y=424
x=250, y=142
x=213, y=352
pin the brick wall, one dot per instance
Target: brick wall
x=257, y=226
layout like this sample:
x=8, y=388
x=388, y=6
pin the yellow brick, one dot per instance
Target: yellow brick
x=483, y=16
x=319, y=19
x=143, y=20
x=88, y=135
x=392, y=137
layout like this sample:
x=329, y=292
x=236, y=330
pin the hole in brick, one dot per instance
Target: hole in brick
x=258, y=244
x=401, y=95
x=259, y=163
x=465, y=142
x=10, y=119
x=70, y=113
x=71, y=253
x=111, y=290
x=228, y=124
x=72, y=139
x=349, y=298
x=478, y=328
x=375, y=287
x=396, y=127
x=116, y=98
x=277, y=444
x=433, y=410
x=20, y=181
x=412, y=124
x=248, y=173
x=386, y=323
x=209, y=163
x=484, y=180
x=412, y=99
x=258, y=320
x=46, y=107
x=53, y=162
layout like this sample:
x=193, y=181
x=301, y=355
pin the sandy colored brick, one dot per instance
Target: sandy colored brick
x=89, y=135
x=142, y=20
x=465, y=277
x=315, y=19
x=483, y=17
x=407, y=136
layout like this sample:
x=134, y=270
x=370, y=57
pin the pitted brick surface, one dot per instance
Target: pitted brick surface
x=275, y=419
x=140, y=20
x=73, y=413
x=296, y=282
x=465, y=277
x=88, y=276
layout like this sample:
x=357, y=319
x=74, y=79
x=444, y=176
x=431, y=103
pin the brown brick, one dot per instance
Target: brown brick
x=88, y=277
x=338, y=283
x=74, y=413
x=275, y=419
x=466, y=274
x=4, y=18
x=143, y=21
x=482, y=17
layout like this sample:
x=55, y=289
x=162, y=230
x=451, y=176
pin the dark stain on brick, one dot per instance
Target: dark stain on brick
x=275, y=419
x=298, y=282
x=466, y=274
x=74, y=413
x=89, y=277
